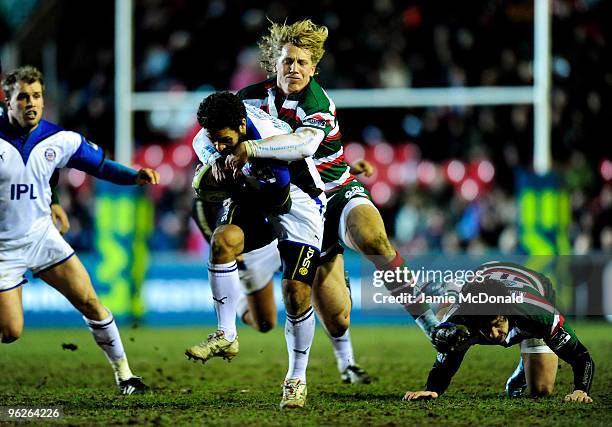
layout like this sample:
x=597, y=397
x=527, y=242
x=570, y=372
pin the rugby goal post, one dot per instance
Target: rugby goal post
x=127, y=101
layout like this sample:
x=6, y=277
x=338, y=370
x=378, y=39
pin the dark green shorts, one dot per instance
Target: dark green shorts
x=336, y=201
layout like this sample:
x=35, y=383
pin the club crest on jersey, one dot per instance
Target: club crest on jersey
x=50, y=154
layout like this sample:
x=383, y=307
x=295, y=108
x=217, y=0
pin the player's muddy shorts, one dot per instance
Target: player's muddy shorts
x=534, y=345
x=340, y=201
x=300, y=233
x=297, y=252
x=43, y=250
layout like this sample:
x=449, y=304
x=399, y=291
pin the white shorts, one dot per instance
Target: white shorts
x=258, y=267
x=342, y=231
x=304, y=222
x=44, y=250
x=534, y=345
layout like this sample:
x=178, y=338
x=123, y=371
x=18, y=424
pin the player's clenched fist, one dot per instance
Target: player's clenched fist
x=578, y=396
x=362, y=167
x=239, y=157
x=420, y=395
x=147, y=176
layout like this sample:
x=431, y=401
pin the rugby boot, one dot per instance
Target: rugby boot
x=294, y=394
x=355, y=374
x=132, y=385
x=216, y=345
x=517, y=383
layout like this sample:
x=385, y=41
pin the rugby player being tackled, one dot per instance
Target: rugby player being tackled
x=244, y=248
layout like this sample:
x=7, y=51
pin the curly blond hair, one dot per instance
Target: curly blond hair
x=303, y=34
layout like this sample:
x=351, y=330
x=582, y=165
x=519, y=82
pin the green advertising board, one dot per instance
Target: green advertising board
x=123, y=225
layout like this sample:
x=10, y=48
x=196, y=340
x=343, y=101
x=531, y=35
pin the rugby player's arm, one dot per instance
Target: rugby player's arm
x=298, y=145
x=566, y=345
x=443, y=370
x=204, y=149
x=90, y=159
x=53, y=183
x=58, y=214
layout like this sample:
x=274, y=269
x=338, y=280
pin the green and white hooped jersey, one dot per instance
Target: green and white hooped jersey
x=537, y=316
x=309, y=108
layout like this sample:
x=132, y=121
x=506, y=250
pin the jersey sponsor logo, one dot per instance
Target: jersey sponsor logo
x=306, y=263
x=50, y=154
x=354, y=192
x=19, y=190
x=227, y=203
x=311, y=121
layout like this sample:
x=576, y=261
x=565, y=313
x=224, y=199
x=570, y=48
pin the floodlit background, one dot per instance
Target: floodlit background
x=450, y=179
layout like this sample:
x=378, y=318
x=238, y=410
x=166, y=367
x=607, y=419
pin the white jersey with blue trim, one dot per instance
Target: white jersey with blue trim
x=27, y=161
x=261, y=125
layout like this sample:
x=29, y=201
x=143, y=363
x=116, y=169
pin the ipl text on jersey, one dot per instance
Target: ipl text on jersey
x=22, y=191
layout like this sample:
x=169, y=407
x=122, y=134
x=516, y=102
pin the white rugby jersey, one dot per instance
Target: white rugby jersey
x=27, y=162
x=261, y=125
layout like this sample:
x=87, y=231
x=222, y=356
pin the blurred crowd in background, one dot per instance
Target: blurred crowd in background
x=445, y=176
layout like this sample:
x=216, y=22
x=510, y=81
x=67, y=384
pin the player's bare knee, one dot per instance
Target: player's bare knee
x=227, y=242
x=542, y=389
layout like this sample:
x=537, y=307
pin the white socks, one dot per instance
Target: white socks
x=225, y=286
x=107, y=337
x=299, y=333
x=343, y=349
